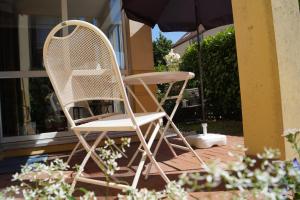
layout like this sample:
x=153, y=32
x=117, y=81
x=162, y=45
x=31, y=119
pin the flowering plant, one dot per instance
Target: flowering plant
x=262, y=178
x=174, y=190
x=42, y=181
x=173, y=60
x=293, y=137
x=48, y=182
x=109, y=155
x=247, y=178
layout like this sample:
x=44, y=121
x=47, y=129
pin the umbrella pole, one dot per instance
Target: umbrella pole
x=201, y=76
x=199, y=63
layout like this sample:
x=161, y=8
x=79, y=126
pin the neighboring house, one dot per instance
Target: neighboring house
x=190, y=37
x=30, y=120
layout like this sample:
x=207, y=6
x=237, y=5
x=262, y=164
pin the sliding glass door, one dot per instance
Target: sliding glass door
x=29, y=110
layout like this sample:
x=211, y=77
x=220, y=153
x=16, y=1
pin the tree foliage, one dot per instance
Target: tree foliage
x=220, y=76
x=161, y=47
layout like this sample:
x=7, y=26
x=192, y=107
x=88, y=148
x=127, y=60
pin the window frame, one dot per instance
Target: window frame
x=51, y=138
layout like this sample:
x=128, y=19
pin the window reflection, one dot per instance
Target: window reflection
x=108, y=19
x=28, y=105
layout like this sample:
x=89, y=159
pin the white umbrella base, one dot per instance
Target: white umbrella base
x=208, y=140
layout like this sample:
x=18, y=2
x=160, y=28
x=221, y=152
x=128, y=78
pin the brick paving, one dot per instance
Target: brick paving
x=173, y=167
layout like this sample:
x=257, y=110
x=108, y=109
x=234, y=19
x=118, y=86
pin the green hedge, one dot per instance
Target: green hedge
x=220, y=76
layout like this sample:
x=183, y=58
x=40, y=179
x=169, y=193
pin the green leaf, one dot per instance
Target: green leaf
x=220, y=76
x=161, y=47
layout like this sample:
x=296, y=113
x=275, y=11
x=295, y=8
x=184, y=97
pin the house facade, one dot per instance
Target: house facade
x=31, y=121
x=190, y=37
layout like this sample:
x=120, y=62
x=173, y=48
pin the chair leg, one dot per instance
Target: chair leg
x=177, y=131
x=75, y=150
x=154, y=154
x=162, y=137
x=137, y=151
x=149, y=154
x=78, y=144
x=157, y=146
x=168, y=144
x=144, y=157
x=90, y=151
x=187, y=144
x=162, y=133
x=80, y=170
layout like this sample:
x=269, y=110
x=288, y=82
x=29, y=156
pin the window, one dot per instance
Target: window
x=28, y=105
x=116, y=39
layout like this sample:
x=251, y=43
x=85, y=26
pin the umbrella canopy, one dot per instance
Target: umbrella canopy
x=180, y=15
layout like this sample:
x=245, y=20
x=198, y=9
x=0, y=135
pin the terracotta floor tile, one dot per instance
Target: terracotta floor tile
x=185, y=162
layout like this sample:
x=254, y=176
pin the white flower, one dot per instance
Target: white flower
x=291, y=131
x=12, y=189
x=88, y=196
x=269, y=154
x=142, y=194
x=173, y=60
x=175, y=191
x=15, y=177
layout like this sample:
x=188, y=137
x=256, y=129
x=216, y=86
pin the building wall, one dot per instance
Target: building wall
x=141, y=60
x=269, y=71
x=180, y=49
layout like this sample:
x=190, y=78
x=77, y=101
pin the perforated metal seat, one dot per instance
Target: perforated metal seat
x=119, y=122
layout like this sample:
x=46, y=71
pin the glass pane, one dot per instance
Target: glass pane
x=106, y=14
x=28, y=107
x=40, y=26
x=24, y=25
x=23, y=30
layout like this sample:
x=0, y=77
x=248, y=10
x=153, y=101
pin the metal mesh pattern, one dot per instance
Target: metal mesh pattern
x=81, y=67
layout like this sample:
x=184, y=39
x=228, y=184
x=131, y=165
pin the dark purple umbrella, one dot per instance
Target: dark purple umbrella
x=181, y=15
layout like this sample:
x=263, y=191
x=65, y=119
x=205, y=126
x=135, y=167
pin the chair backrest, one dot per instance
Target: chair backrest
x=82, y=65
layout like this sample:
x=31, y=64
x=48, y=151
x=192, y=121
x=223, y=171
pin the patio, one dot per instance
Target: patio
x=173, y=167
x=266, y=66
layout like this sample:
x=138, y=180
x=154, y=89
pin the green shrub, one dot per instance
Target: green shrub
x=220, y=76
x=161, y=47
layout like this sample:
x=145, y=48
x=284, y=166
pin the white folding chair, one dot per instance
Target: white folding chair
x=82, y=66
